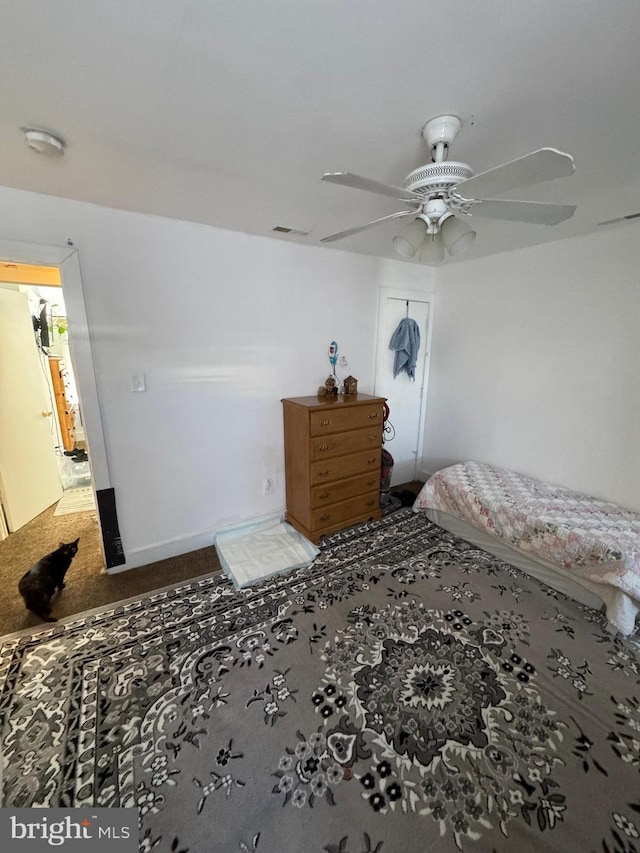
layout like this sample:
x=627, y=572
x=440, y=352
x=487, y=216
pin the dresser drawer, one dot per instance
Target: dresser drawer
x=327, y=470
x=341, y=443
x=331, y=493
x=339, y=420
x=345, y=510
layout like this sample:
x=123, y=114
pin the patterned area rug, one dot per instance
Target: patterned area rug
x=80, y=499
x=407, y=692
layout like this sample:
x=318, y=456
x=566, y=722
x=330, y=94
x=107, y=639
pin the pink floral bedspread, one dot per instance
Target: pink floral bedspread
x=598, y=540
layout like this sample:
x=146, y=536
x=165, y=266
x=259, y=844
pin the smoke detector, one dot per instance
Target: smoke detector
x=43, y=142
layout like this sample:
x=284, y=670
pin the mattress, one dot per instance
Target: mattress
x=587, y=548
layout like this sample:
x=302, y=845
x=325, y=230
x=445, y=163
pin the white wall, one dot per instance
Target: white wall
x=535, y=364
x=223, y=325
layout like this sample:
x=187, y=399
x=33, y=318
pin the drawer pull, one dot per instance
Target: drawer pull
x=326, y=422
x=373, y=438
x=373, y=415
x=370, y=503
x=371, y=482
x=322, y=473
x=325, y=517
x=324, y=447
x=371, y=460
x=323, y=496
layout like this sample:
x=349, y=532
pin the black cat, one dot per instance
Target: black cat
x=39, y=584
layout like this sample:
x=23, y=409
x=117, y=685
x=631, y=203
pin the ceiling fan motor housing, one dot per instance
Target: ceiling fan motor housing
x=437, y=177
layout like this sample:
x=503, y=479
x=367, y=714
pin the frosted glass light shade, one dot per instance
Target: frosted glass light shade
x=407, y=241
x=432, y=249
x=457, y=235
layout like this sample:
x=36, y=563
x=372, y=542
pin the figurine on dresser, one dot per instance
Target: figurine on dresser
x=329, y=389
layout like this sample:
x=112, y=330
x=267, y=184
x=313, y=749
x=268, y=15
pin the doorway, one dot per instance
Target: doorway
x=65, y=259
x=42, y=447
x=406, y=397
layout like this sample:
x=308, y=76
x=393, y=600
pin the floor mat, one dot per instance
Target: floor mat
x=252, y=552
x=76, y=500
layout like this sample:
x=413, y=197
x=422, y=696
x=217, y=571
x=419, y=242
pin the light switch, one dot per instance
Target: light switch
x=138, y=383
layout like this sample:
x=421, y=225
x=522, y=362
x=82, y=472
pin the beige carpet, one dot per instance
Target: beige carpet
x=76, y=500
x=88, y=585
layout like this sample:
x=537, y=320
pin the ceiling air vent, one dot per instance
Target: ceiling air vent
x=281, y=229
x=620, y=219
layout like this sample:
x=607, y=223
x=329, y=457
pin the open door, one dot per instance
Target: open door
x=29, y=478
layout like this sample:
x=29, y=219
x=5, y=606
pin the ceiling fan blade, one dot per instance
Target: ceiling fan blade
x=545, y=164
x=347, y=179
x=534, y=212
x=359, y=228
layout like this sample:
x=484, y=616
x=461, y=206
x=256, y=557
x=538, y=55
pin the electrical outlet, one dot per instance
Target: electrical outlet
x=343, y=361
x=267, y=486
x=138, y=382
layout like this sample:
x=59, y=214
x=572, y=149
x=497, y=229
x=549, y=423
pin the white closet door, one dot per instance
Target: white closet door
x=405, y=397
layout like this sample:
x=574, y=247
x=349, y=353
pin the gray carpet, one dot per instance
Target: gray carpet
x=405, y=693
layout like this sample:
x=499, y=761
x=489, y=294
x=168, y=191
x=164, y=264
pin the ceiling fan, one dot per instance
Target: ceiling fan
x=441, y=193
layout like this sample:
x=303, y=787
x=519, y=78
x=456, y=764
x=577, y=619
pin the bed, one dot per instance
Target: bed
x=586, y=548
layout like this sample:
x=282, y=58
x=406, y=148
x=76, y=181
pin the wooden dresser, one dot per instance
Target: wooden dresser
x=332, y=450
x=66, y=417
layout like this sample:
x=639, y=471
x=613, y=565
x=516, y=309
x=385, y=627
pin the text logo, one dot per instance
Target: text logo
x=103, y=830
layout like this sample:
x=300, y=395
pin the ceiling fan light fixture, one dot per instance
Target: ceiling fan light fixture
x=408, y=240
x=432, y=249
x=444, y=189
x=456, y=235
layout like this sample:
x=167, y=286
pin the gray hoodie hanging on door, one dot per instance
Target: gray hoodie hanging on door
x=406, y=342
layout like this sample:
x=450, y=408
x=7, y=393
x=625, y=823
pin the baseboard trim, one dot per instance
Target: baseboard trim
x=138, y=557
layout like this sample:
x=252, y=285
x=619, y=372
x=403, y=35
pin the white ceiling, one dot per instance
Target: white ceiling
x=227, y=112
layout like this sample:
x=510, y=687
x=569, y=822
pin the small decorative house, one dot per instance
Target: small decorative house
x=350, y=386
